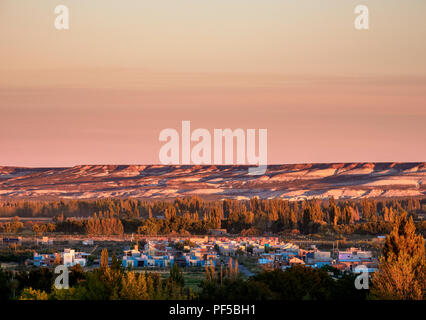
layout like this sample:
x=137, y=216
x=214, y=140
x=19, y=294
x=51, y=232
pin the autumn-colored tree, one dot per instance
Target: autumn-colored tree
x=57, y=260
x=32, y=294
x=232, y=270
x=210, y=272
x=12, y=227
x=104, y=258
x=402, y=268
x=150, y=228
x=133, y=287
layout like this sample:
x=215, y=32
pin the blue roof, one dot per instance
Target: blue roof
x=349, y=260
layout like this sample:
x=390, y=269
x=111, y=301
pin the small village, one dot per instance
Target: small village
x=264, y=252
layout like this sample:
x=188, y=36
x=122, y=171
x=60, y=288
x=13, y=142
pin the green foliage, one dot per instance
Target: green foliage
x=296, y=283
x=15, y=255
x=76, y=275
x=116, y=284
x=115, y=263
x=6, y=284
x=37, y=278
x=176, y=275
x=63, y=294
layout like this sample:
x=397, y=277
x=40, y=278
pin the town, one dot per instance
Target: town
x=163, y=252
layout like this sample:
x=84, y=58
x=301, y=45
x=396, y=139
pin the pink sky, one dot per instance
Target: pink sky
x=102, y=91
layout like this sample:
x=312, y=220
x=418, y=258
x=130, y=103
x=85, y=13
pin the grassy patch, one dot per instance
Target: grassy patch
x=193, y=280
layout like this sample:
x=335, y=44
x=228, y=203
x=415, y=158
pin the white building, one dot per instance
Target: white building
x=71, y=258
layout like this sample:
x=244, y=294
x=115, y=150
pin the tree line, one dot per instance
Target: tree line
x=193, y=215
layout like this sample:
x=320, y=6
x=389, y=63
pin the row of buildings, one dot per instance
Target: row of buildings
x=199, y=252
x=343, y=260
x=152, y=255
x=164, y=254
x=270, y=252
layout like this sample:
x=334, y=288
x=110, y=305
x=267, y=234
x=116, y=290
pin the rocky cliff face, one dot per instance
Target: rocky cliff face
x=292, y=181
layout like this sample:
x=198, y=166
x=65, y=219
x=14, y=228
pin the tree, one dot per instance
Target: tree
x=39, y=229
x=176, y=275
x=76, y=275
x=104, y=258
x=402, y=268
x=93, y=288
x=133, y=287
x=38, y=279
x=150, y=227
x=32, y=294
x=57, y=260
x=61, y=294
x=5, y=282
x=115, y=263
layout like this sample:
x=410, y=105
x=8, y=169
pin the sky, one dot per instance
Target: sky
x=102, y=91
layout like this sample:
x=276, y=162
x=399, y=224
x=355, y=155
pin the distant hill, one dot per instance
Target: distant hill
x=291, y=181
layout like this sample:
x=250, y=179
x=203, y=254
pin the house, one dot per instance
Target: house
x=354, y=254
x=155, y=248
x=71, y=258
x=134, y=258
x=287, y=254
x=44, y=260
x=319, y=258
x=227, y=248
x=153, y=256
x=353, y=257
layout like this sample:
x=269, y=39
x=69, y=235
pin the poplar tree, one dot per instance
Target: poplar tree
x=104, y=258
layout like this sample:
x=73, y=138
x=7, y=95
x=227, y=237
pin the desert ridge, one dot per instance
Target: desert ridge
x=286, y=181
